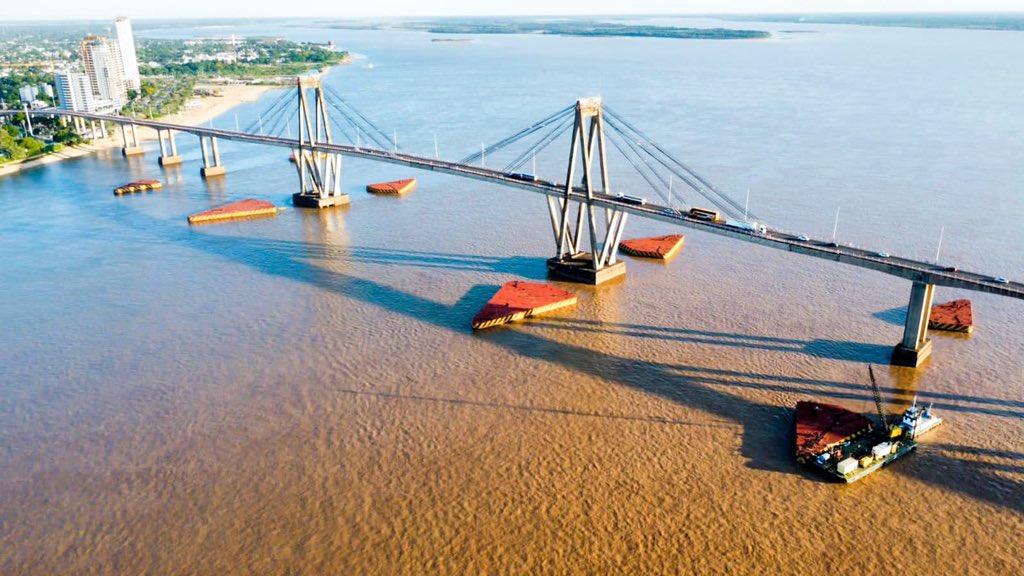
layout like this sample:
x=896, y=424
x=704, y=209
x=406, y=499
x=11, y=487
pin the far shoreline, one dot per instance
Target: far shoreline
x=208, y=108
x=230, y=94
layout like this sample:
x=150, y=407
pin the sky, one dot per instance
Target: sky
x=106, y=9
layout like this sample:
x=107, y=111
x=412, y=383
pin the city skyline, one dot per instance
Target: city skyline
x=197, y=9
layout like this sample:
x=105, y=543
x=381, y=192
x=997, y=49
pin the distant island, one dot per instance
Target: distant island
x=590, y=28
x=1012, y=21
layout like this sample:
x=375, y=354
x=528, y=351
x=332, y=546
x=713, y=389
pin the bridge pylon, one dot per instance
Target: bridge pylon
x=569, y=213
x=319, y=172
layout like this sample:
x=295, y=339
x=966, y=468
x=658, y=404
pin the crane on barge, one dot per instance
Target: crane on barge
x=882, y=417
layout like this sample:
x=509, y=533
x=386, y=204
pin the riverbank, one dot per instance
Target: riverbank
x=202, y=110
x=207, y=108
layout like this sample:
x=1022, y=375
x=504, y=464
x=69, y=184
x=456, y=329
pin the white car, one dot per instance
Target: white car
x=1000, y=280
x=882, y=254
x=802, y=238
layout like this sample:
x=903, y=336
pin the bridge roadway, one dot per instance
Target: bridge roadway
x=907, y=268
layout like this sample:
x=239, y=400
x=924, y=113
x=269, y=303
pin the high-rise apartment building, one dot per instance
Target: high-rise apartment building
x=103, y=66
x=126, y=42
x=75, y=92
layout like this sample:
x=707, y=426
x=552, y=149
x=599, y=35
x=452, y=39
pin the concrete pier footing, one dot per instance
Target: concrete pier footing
x=580, y=268
x=168, y=149
x=316, y=201
x=909, y=357
x=211, y=171
x=915, y=347
x=211, y=158
x=131, y=147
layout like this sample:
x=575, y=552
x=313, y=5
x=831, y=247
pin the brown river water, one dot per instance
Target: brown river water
x=304, y=395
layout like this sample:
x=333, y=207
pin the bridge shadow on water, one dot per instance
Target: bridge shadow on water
x=532, y=268
x=766, y=430
x=895, y=316
x=992, y=476
x=834, y=349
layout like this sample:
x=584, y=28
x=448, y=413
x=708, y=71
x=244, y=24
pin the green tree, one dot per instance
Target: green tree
x=66, y=135
x=10, y=147
x=31, y=146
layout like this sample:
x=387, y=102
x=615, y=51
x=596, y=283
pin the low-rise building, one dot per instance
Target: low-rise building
x=28, y=94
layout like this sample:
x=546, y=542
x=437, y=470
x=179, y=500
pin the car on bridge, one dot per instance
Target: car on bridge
x=1000, y=280
x=523, y=177
x=882, y=254
x=803, y=238
x=706, y=215
x=751, y=227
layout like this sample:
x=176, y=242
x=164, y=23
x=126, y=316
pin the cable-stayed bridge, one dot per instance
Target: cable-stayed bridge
x=587, y=214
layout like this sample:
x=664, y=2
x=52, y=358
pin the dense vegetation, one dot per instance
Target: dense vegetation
x=14, y=145
x=10, y=85
x=159, y=96
x=254, y=58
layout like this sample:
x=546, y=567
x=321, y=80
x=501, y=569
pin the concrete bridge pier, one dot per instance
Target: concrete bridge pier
x=319, y=172
x=320, y=180
x=210, y=151
x=165, y=159
x=130, y=148
x=572, y=261
x=915, y=346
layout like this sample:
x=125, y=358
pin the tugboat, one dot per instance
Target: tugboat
x=917, y=421
x=846, y=446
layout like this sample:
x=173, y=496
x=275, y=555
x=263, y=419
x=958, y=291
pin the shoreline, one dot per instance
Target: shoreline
x=206, y=109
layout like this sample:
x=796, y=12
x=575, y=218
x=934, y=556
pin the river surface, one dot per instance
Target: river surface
x=304, y=394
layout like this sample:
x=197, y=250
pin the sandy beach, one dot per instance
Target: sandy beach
x=209, y=107
x=203, y=110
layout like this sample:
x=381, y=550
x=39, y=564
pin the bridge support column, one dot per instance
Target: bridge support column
x=130, y=148
x=601, y=263
x=165, y=159
x=915, y=346
x=210, y=170
x=319, y=172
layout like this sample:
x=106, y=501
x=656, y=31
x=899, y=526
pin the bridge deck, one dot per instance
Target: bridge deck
x=907, y=268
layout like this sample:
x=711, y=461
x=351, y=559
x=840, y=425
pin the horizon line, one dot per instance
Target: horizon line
x=539, y=15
